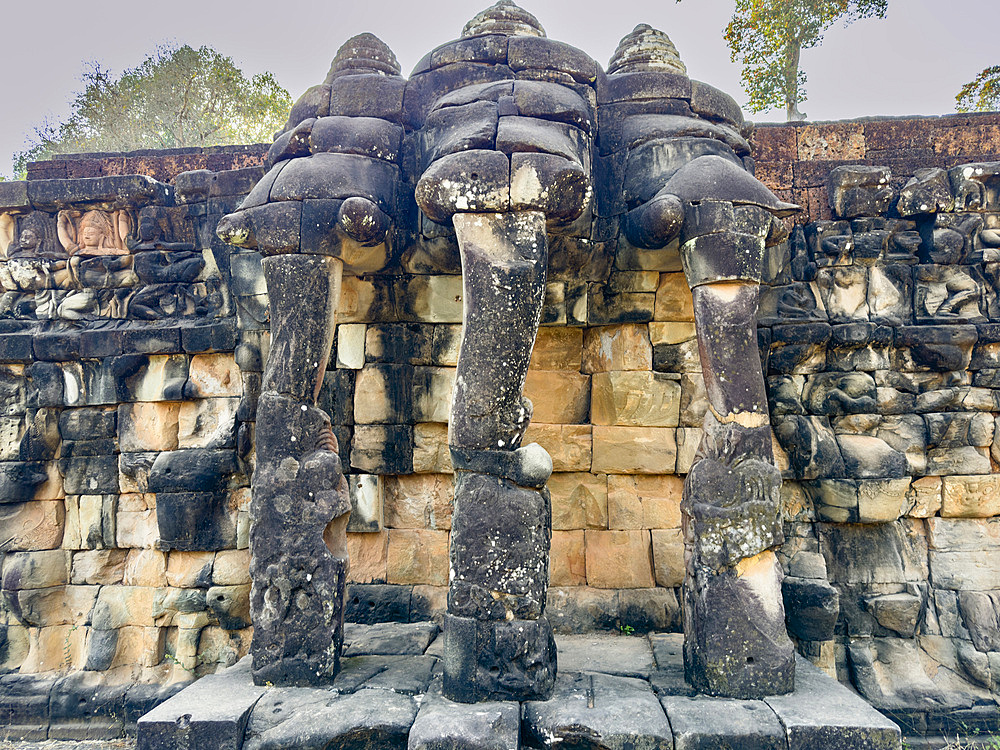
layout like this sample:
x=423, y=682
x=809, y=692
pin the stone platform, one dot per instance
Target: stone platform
x=613, y=692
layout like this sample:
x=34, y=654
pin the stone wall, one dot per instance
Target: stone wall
x=130, y=368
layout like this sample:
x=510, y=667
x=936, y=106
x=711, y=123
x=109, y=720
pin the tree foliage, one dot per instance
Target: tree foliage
x=768, y=36
x=176, y=97
x=981, y=94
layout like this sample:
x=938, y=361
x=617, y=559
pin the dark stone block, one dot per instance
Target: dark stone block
x=194, y=520
x=441, y=725
x=823, y=713
x=499, y=549
x=90, y=475
x=101, y=343
x=57, y=347
x=230, y=605
x=811, y=608
x=598, y=711
x=195, y=470
x=151, y=341
x=14, y=195
x=214, y=337
x=367, y=96
x=709, y=102
x=124, y=191
x=83, y=424
x=708, y=723
x=524, y=52
x=399, y=343
x=18, y=480
x=80, y=448
x=498, y=660
x=425, y=89
x=369, y=603
x=211, y=713
x=389, y=638
x=16, y=347
x=382, y=449
x=101, y=648
x=45, y=386
x=623, y=87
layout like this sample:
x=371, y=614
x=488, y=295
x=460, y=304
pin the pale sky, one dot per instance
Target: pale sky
x=913, y=62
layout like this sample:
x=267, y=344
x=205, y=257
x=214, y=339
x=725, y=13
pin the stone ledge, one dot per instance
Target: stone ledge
x=376, y=698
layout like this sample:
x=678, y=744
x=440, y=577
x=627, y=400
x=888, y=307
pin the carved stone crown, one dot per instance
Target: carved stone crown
x=646, y=49
x=364, y=53
x=506, y=18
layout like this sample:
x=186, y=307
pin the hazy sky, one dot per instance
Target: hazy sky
x=913, y=62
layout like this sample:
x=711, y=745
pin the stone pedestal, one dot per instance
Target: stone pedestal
x=498, y=644
x=300, y=506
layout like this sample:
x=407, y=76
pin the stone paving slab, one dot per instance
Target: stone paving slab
x=713, y=723
x=823, y=713
x=388, y=638
x=624, y=655
x=613, y=692
x=212, y=712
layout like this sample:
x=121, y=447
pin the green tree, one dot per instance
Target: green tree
x=981, y=94
x=767, y=38
x=176, y=97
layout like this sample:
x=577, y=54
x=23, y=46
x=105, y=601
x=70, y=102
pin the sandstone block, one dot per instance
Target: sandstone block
x=619, y=559
x=668, y=557
x=557, y=348
x=430, y=449
x=351, y=345
x=57, y=605
x=162, y=379
x=964, y=553
x=137, y=529
x=357, y=296
x=106, y=566
x=417, y=556
x=144, y=646
x=845, y=141
x=383, y=394
x=635, y=398
x=558, y=396
x=620, y=347
x=579, y=500
x=207, y=423
x=965, y=460
x=34, y=525
x=433, y=299
x=214, y=374
x=418, y=501
x=644, y=501
x=568, y=445
x=688, y=440
x=145, y=567
x=148, y=426
x=118, y=606
x=232, y=567
x=432, y=392
x=971, y=496
x=882, y=500
x=367, y=553
x=35, y=570
x=925, y=497
x=673, y=298
x=580, y=609
x=634, y=450
x=694, y=399
x=365, y=491
x=55, y=648
x=567, y=559
x=189, y=569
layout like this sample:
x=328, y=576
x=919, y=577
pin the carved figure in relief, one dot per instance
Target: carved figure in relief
x=94, y=232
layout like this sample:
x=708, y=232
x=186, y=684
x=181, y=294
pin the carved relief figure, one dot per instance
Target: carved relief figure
x=94, y=232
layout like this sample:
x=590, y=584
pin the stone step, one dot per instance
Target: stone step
x=613, y=691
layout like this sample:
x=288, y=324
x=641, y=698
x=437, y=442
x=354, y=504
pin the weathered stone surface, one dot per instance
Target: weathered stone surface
x=822, y=711
x=389, y=638
x=598, y=710
x=442, y=724
x=498, y=660
x=702, y=723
